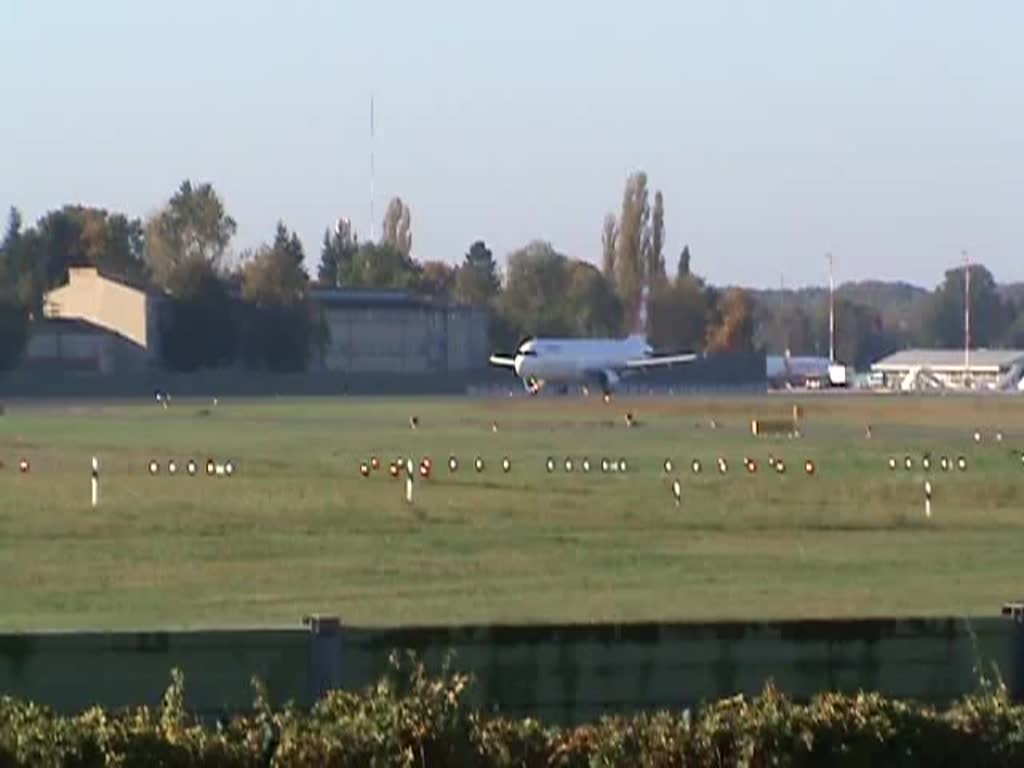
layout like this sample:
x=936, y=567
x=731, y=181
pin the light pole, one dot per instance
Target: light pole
x=967, y=317
x=372, y=170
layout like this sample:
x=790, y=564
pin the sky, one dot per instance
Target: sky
x=890, y=134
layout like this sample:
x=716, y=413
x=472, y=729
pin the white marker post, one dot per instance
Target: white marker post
x=95, y=482
x=928, y=498
x=677, y=492
x=409, y=474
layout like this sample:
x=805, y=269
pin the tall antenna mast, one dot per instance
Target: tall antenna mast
x=372, y=172
x=831, y=311
x=782, y=315
x=967, y=315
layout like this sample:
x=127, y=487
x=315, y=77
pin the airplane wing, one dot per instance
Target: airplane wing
x=651, y=362
x=503, y=361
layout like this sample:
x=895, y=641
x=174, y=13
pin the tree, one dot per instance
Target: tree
x=336, y=254
x=13, y=229
x=797, y=319
x=9, y=250
x=945, y=315
x=683, y=269
x=110, y=242
x=533, y=301
x=782, y=325
x=278, y=321
x=13, y=331
x=655, y=257
x=591, y=305
x=192, y=227
x=548, y=294
x=37, y=260
x=59, y=245
x=477, y=284
x=274, y=275
x=633, y=247
x=383, y=266
x=397, y=229
x=678, y=315
x=28, y=263
x=81, y=236
x=860, y=338
x=733, y=329
x=476, y=281
x=198, y=327
x=1013, y=336
x=13, y=314
x=609, y=244
x=437, y=280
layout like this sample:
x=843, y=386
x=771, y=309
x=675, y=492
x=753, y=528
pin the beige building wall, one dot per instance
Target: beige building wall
x=107, y=303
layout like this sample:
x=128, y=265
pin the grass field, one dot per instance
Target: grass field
x=297, y=530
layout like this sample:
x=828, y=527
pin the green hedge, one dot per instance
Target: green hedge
x=412, y=719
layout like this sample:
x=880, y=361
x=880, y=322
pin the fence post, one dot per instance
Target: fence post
x=324, y=655
x=1015, y=611
x=95, y=484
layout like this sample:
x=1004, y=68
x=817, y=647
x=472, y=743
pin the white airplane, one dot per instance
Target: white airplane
x=604, y=362
x=600, y=361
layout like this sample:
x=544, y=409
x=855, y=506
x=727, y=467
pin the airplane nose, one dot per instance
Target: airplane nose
x=517, y=364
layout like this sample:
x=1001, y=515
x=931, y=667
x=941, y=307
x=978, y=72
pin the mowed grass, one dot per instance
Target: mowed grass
x=297, y=530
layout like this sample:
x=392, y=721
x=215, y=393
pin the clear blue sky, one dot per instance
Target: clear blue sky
x=891, y=133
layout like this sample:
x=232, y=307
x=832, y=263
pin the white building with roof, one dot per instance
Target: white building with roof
x=924, y=369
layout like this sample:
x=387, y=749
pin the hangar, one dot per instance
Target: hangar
x=65, y=345
x=100, y=323
x=95, y=322
x=925, y=369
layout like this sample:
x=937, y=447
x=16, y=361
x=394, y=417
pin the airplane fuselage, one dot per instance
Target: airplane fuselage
x=572, y=361
x=561, y=361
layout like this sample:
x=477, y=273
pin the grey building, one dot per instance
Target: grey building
x=99, y=323
x=390, y=331
x=71, y=345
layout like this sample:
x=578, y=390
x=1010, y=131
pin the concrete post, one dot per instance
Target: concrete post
x=324, y=655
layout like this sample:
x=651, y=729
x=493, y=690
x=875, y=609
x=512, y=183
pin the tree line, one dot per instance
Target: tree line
x=874, y=318
x=256, y=311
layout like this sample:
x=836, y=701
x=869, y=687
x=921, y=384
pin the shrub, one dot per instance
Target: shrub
x=412, y=719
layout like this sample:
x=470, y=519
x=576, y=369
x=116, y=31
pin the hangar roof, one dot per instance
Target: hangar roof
x=375, y=298
x=950, y=359
x=68, y=325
